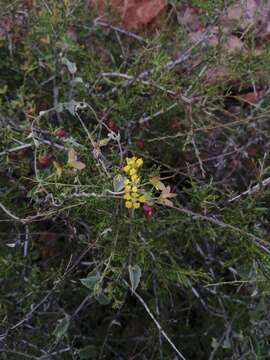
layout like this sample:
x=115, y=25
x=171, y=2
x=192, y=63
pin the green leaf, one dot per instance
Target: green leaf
x=118, y=183
x=104, y=142
x=58, y=168
x=214, y=343
x=72, y=68
x=3, y=90
x=155, y=181
x=73, y=162
x=62, y=327
x=148, y=197
x=135, y=273
x=71, y=106
x=78, y=165
x=102, y=299
x=165, y=196
x=77, y=80
x=90, y=281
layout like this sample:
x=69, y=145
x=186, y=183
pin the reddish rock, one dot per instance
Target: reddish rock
x=134, y=14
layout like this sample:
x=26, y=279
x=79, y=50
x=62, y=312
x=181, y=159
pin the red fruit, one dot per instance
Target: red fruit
x=28, y=4
x=234, y=163
x=43, y=160
x=112, y=125
x=60, y=133
x=148, y=211
x=141, y=144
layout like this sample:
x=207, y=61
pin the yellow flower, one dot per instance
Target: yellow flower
x=131, y=196
x=132, y=171
x=128, y=204
x=129, y=162
x=142, y=199
x=126, y=168
x=134, y=178
x=136, y=205
x=127, y=196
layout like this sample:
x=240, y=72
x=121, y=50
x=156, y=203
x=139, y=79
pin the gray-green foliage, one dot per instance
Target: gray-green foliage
x=65, y=271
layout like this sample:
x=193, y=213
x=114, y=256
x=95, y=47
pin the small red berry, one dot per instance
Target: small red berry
x=112, y=125
x=148, y=211
x=141, y=143
x=234, y=163
x=60, y=133
x=43, y=160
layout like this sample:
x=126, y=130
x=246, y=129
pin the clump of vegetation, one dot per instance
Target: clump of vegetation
x=134, y=217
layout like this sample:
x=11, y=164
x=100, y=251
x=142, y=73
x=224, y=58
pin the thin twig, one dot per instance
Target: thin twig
x=26, y=241
x=17, y=148
x=67, y=272
x=120, y=30
x=244, y=122
x=96, y=150
x=196, y=150
x=158, y=325
x=149, y=83
x=9, y=213
x=158, y=113
x=252, y=190
x=27, y=146
x=167, y=67
x=18, y=353
x=262, y=244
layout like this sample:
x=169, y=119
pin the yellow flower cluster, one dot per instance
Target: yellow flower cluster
x=132, y=196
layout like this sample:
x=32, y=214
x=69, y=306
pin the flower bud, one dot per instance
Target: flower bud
x=43, y=160
x=148, y=211
x=60, y=133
